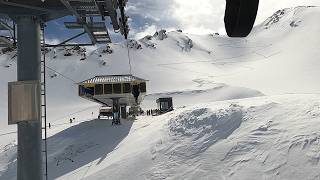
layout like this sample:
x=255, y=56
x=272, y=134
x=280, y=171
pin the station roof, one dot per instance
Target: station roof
x=164, y=99
x=106, y=79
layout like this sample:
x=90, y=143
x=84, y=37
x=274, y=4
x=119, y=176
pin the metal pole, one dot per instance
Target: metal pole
x=29, y=133
x=123, y=111
x=116, y=109
x=14, y=34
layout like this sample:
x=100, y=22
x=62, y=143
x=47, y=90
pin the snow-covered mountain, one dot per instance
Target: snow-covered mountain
x=246, y=108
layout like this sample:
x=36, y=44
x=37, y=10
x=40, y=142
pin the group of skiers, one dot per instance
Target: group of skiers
x=71, y=120
x=153, y=112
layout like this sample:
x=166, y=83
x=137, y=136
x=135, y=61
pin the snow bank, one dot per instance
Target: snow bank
x=203, y=127
x=264, y=138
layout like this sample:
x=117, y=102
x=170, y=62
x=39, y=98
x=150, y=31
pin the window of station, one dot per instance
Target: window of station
x=126, y=87
x=98, y=89
x=108, y=89
x=82, y=90
x=85, y=90
x=143, y=87
x=117, y=88
x=164, y=105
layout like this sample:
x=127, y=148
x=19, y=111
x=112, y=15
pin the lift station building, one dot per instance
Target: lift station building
x=165, y=104
x=117, y=91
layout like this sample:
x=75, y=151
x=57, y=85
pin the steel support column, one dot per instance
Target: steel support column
x=123, y=111
x=28, y=68
x=116, y=111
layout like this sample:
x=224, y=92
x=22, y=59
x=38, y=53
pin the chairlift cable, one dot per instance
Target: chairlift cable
x=62, y=75
x=125, y=31
x=129, y=59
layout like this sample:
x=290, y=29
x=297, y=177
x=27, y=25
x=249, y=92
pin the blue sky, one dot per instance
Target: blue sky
x=196, y=17
x=55, y=31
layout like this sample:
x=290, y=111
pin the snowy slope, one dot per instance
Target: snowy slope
x=220, y=129
x=238, y=139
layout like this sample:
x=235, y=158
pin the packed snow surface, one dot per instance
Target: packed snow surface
x=245, y=108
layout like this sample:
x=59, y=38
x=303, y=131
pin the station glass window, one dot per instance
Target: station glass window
x=108, y=89
x=164, y=106
x=81, y=90
x=143, y=87
x=98, y=89
x=117, y=88
x=126, y=87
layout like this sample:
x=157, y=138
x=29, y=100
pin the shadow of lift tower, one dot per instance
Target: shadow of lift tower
x=26, y=110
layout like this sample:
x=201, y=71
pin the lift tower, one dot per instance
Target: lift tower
x=24, y=95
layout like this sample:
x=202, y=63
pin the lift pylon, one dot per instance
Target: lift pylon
x=28, y=15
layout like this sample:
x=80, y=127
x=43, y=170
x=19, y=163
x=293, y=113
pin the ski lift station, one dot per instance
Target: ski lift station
x=164, y=104
x=116, y=91
x=104, y=89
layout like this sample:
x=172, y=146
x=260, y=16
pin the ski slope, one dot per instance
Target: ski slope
x=246, y=108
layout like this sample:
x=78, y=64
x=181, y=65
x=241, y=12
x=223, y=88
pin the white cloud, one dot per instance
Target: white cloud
x=148, y=31
x=199, y=17
x=196, y=17
x=144, y=13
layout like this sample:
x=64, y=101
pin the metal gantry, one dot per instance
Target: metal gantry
x=90, y=15
x=9, y=28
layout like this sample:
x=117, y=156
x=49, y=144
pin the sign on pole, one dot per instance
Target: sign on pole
x=23, y=101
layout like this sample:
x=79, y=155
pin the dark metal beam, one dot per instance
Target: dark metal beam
x=5, y=25
x=25, y=6
x=85, y=26
x=14, y=9
x=66, y=45
x=113, y=14
x=39, y=3
x=67, y=40
x=123, y=19
x=99, y=8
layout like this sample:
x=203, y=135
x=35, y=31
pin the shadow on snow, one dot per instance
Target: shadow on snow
x=79, y=146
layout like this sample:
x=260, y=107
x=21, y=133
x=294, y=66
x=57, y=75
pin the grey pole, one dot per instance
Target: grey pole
x=29, y=133
x=123, y=111
x=116, y=109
